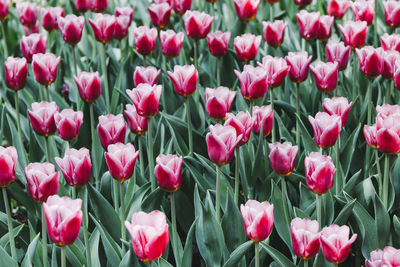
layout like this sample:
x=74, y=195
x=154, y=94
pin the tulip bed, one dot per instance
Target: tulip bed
x=257, y=133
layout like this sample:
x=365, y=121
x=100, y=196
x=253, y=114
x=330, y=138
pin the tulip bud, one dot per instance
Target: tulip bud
x=364, y=11
x=168, y=172
x=392, y=13
x=181, y=6
x=147, y=75
x=390, y=58
x=16, y=70
x=388, y=133
x=4, y=9
x=103, y=27
x=121, y=161
x=326, y=75
x=308, y=24
x=27, y=13
x=305, y=237
x=76, y=166
x=82, y=5
x=184, y=79
x=337, y=8
x=145, y=39
x=258, y=219
x=326, y=129
x=263, y=120
x=319, y=171
x=160, y=14
x=370, y=135
x=33, y=44
x=276, y=69
x=376, y=258
x=111, y=129
x=146, y=99
x=171, y=43
x=44, y=67
x=242, y=123
x=89, y=86
x=302, y=3
x=325, y=28
x=218, y=43
x=71, y=28
x=390, y=42
x=274, y=32
x=137, y=123
x=246, y=46
x=246, y=10
x=124, y=11
x=338, y=52
x=42, y=180
x=282, y=157
x=98, y=6
x=8, y=165
x=339, y=106
x=299, y=63
x=121, y=27
x=253, y=82
x=219, y=101
x=354, y=33
x=42, y=117
x=49, y=16
x=371, y=61
x=197, y=24
x=68, y=123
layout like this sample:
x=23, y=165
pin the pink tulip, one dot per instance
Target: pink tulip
x=302, y=3
x=42, y=117
x=49, y=16
x=305, y=237
x=338, y=8
x=326, y=75
x=160, y=14
x=103, y=27
x=390, y=59
x=137, y=123
x=89, y=86
x=145, y=39
x=263, y=120
x=197, y=24
x=171, y=43
x=370, y=135
x=274, y=32
x=71, y=28
x=371, y=61
x=149, y=232
x=147, y=75
x=390, y=42
x=388, y=133
x=326, y=129
x=387, y=110
x=392, y=13
x=219, y=101
x=68, y=123
x=63, y=219
x=99, y=6
x=111, y=129
x=338, y=52
x=319, y=171
x=308, y=24
x=218, y=43
x=168, y=172
x=258, y=219
x=253, y=82
x=121, y=27
x=299, y=63
x=339, y=106
x=246, y=46
x=396, y=75
x=16, y=71
x=82, y=5
x=121, y=160
x=181, y=6
x=124, y=11
x=32, y=29
x=276, y=69
x=42, y=180
x=8, y=165
x=390, y=257
x=184, y=79
x=282, y=157
x=33, y=44
x=44, y=67
x=335, y=242
x=364, y=10
x=375, y=259
x=146, y=99
x=4, y=9
x=325, y=28
x=76, y=166
x=221, y=143
x=354, y=33
x=242, y=123
x=27, y=13
x=246, y=10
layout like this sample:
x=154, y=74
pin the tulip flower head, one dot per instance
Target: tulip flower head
x=337, y=8
x=390, y=256
x=263, y=120
x=388, y=133
x=338, y=52
x=111, y=129
x=390, y=42
x=390, y=61
x=71, y=28
x=282, y=157
x=89, y=86
x=145, y=98
x=42, y=181
x=76, y=166
x=168, y=172
x=308, y=24
x=371, y=61
x=98, y=6
x=370, y=135
x=124, y=11
x=325, y=28
x=276, y=69
x=258, y=219
x=147, y=75
x=319, y=171
x=8, y=165
x=392, y=13
x=4, y=9
x=27, y=13
x=49, y=16
x=253, y=82
x=137, y=123
x=121, y=160
x=33, y=44
x=364, y=10
x=184, y=79
x=354, y=33
x=44, y=67
x=246, y=46
x=299, y=63
x=181, y=6
x=218, y=43
x=68, y=123
x=376, y=258
x=302, y=3
x=121, y=27
x=42, y=118
x=219, y=101
x=103, y=26
x=160, y=14
x=339, y=106
x=274, y=32
x=326, y=75
x=326, y=129
x=243, y=124
x=82, y=5
x=171, y=43
x=305, y=237
x=197, y=24
x=246, y=10
x=16, y=71
x=145, y=39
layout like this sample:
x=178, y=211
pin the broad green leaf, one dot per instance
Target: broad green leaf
x=27, y=261
x=238, y=254
x=382, y=221
x=188, y=250
x=277, y=256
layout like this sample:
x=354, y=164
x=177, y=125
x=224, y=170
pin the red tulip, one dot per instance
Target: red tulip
x=160, y=14
x=246, y=46
x=371, y=61
x=392, y=13
x=354, y=33
x=124, y=11
x=319, y=171
x=243, y=124
x=82, y=5
x=8, y=165
x=276, y=69
x=76, y=166
x=218, y=43
x=146, y=99
x=16, y=70
x=299, y=63
x=390, y=58
x=63, y=219
x=253, y=82
x=111, y=129
x=181, y=6
x=364, y=10
x=168, y=172
x=42, y=117
x=375, y=259
x=258, y=219
x=305, y=237
x=68, y=123
x=326, y=75
x=246, y=10
x=274, y=32
x=335, y=242
x=49, y=16
x=44, y=67
x=388, y=133
x=147, y=75
x=27, y=13
x=396, y=75
x=338, y=8
x=390, y=42
x=33, y=44
x=338, y=52
x=71, y=28
x=171, y=43
x=326, y=129
x=42, y=180
x=370, y=135
x=121, y=161
x=103, y=27
x=197, y=24
x=4, y=9
x=263, y=116
x=390, y=257
x=219, y=101
x=339, y=106
x=282, y=157
x=137, y=123
x=121, y=27
x=145, y=39
x=184, y=79
x=308, y=24
x=221, y=143
x=302, y=3
x=387, y=110
x=98, y=6
x=325, y=28
x=89, y=85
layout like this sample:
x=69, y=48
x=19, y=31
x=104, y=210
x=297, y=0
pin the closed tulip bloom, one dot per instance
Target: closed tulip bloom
x=308, y=24
x=76, y=166
x=103, y=27
x=258, y=219
x=4, y=9
x=388, y=133
x=299, y=63
x=218, y=43
x=325, y=28
x=44, y=67
x=219, y=101
x=98, y=6
x=274, y=32
x=16, y=70
x=197, y=24
x=263, y=119
x=49, y=16
x=111, y=129
x=184, y=79
x=246, y=10
x=149, y=233
x=121, y=27
x=337, y=8
x=137, y=123
x=364, y=10
x=319, y=170
x=121, y=160
x=387, y=110
x=42, y=117
x=390, y=257
x=305, y=237
x=27, y=13
x=160, y=14
x=33, y=44
x=392, y=13
x=354, y=33
x=390, y=59
x=171, y=43
x=82, y=5
x=339, y=106
x=326, y=129
x=338, y=52
x=335, y=242
x=390, y=42
x=243, y=124
x=181, y=6
x=145, y=39
x=145, y=98
x=147, y=75
x=370, y=135
x=221, y=143
x=326, y=75
x=253, y=82
x=396, y=75
x=89, y=85
x=68, y=123
x=246, y=46
x=42, y=180
x=168, y=172
x=375, y=259
x=276, y=69
x=8, y=165
x=302, y=3
x=63, y=219
x=282, y=157
x=124, y=11
x=71, y=28
x=371, y=61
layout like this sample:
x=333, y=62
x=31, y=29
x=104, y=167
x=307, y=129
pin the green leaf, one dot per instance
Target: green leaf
x=382, y=221
x=30, y=252
x=153, y=200
x=188, y=250
x=277, y=256
x=345, y=213
x=308, y=141
x=164, y=263
x=94, y=247
x=346, y=156
x=238, y=254
x=6, y=259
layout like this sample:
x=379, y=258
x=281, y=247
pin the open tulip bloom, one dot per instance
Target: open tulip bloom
x=33, y=44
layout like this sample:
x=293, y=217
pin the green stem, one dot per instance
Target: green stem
x=284, y=198
x=319, y=210
x=318, y=50
x=63, y=258
x=388, y=91
x=44, y=241
x=85, y=227
x=298, y=115
x=10, y=226
x=218, y=71
x=3, y=30
x=122, y=198
x=47, y=148
x=144, y=61
x=18, y=117
x=303, y=44
x=237, y=175
x=47, y=93
x=378, y=169
x=305, y=264
x=150, y=155
x=338, y=164
x=174, y=228
x=251, y=108
x=386, y=182
x=271, y=12
x=93, y=136
x=105, y=74
x=141, y=163
x=257, y=254
x=150, y=263
x=271, y=93
x=354, y=76
x=369, y=118
x=195, y=59
x=218, y=196
x=189, y=122
x=75, y=73
x=115, y=195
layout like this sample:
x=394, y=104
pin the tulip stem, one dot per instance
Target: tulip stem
x=386, y=182
x=251, y=108
x=318, y=49
x=218, y=71
x=218, y=195
x=18, y=117
x=150, y=155
x=85, y=227
x=298, y=114
x=123, y=232
x=319, y=210
x=10, y=226
x=388, y=91
x=3, y=30
x=144, y=61
x=63, y=258
x=115, y=193
x=75, y=73
x=257, y=254
x=190, y=134
x=305, y=264
x=141, y=163
x=174, y=231
x=338, y=164
x=47, y=93
x=354, y=76
x=284, y=198
x=378, y=169
x=369, y=118
x=47, y=148
x=196, y=63
x=44, y=241
x=271, y=94
x=237, y=175
x=271, y=12
x=150, y=263
x=105, y=74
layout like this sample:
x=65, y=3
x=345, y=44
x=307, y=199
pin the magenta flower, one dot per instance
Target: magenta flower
x=319, y=170
x=246, y=46
x=137, y=123
x=42, y=181
x=218, y=43
x=160, y=14
x=263, y=120
x=44, y=67
x=253, y=82
x=89, y=86
x=364, y=10
x=246, y=10
x=121, y=160
x=326, y=129
x=219, y=101
x=339, y=106
x=49, y=16
x=282, y=157
x=103, y=27
x=276, y=69
x=8, y=165
x=305, y=237
x=146, y=99
x=326, y=75
x=308, y=24
x=337, y=8
x=243, y=124
x=42, y=117
x=168, y=172
x=171, y=43
x=197, y=24
x=392, y=13
x=145, y=39
x=338, y=52
x=111, y=129
x=68, y=123
x=27, y=13
x=76, y=166
x=274, y=32
x=371, y=61
x=354, y=33
x=147, y=75
x=258, y=219
x=16, y=71
x=299, y=63
x=33, y=44
x=184, y=79
x=71, y=28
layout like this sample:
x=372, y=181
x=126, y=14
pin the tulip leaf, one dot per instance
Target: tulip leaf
x=5, y=239
x=308, y=142
x=396, y=234
x=27, y=261
x=94, y=247
x=153, y=200
x=164, y=263
x=75, y=255
x=188, y=250
x=6, y=259
x=347, y=153
x=276, y=255
x=345, y=213
x=382, y=221
x=238, y=254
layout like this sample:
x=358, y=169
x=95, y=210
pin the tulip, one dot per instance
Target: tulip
x=4, y=9
x=42, y=181
x=63, y=219
x=160, y=14
x=42, y=118
x=181, y=6
x=390, y=42
x=390, y=257
x=242, y=123
x=375, y=259
x=396, y=76
x=89, y=85
x=32, y=29
x=387, y=133
x=258, y=219
x=276, y=69
x=325, y=28
x=299, y=63
x=305, y=237
x=103, y=27
x=326, y=129
x=364, y=11
x=371, y=61
x=146, y=98
x=338, y=52
x=197, y=24
x=49, y=16
x=246, y=46
x=137, y=123
x=246, y=10
x=354, y=33
x=339, y=106
x=338, y=8
x=308, y=24
x=44, y=67
x=16, y=70
x=145, y=39
x=111, y=129
x=390, y=58
x=149, y=232
x=8, y=165
x=326, y=75
x=27, y=13
x=282, y=157
x=263, y=116
x=121, y=27
x=319, y=170
x=219, y=101
x=218, y=43
x=184, y=79
x=387, y=110
x=121, y=160
x=68, y=123
x=76, y=166
x=71, y=28
x=274, y=32
x=124, y=11
x=98, y=6
x=253, y=82
x=370, y=135
x=168, y=172
x=82, y=5
x=171, y=43
x=147, y=75
x=302, y=3
x=33, y=44
x=335, y=243
x=392, y=13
